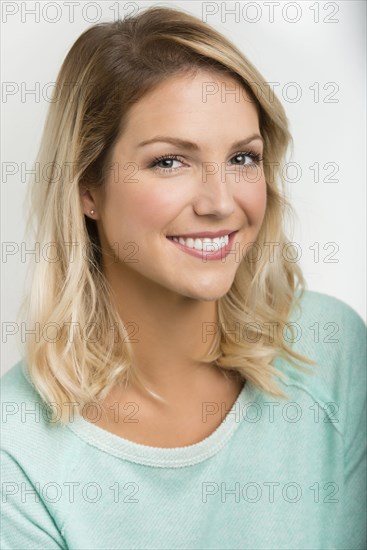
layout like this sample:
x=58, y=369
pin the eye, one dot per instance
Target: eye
x=163, y=159
x=255, y=158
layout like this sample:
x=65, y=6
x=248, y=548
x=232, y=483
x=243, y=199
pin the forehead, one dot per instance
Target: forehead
x=192, y=98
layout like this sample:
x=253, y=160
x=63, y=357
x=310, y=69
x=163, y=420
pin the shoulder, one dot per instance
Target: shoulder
x=326, y=306
x=329, y=329
x=22, y=406
x=34, y=456
x=15, y=386
x=19, y=399
x=31, y=436
x=332, y=334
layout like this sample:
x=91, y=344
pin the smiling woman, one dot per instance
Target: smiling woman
x=180, y=319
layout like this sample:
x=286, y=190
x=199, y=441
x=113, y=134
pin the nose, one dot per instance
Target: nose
x=214, y=194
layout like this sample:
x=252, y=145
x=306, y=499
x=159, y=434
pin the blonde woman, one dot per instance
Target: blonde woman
x=177, y=396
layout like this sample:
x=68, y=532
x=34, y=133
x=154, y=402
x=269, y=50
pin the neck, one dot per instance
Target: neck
x=172, y=333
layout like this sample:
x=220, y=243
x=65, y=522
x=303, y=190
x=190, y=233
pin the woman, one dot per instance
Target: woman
x=156, y=420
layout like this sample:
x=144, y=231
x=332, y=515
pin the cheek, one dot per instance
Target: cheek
x=154, y=206
x=252, y=199
x=140, y=208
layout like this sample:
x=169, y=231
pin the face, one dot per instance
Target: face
x=213, y=185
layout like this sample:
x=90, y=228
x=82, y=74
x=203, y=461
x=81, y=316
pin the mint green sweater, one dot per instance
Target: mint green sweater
x=275, y=474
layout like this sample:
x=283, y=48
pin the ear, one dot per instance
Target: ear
x=88, y=202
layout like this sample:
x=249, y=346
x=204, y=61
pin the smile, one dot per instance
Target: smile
x=205, y=243
x=211, y=249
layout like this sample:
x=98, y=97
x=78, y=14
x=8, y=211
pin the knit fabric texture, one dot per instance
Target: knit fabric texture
x=276, y=474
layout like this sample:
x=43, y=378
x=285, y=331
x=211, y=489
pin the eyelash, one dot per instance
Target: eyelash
x=256, y=159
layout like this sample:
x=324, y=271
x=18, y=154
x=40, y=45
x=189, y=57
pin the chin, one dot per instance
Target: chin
x=207, y=294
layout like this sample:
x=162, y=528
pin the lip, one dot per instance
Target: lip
x=217, y=255
x=203, y=234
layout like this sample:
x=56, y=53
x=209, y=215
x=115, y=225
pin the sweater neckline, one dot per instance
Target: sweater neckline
x=166, y=457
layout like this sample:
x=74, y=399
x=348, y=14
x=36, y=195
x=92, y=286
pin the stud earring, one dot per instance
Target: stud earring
x=92, y=211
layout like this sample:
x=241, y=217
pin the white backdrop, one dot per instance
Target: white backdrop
x=313, y=53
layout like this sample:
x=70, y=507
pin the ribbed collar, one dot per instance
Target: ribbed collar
x=166, y=457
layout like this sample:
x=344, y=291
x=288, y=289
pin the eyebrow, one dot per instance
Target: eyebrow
x=193, y=146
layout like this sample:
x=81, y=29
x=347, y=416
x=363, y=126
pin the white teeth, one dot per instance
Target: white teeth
x=206, y=244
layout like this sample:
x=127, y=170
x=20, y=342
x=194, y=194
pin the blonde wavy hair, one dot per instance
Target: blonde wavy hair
x=111, y=66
